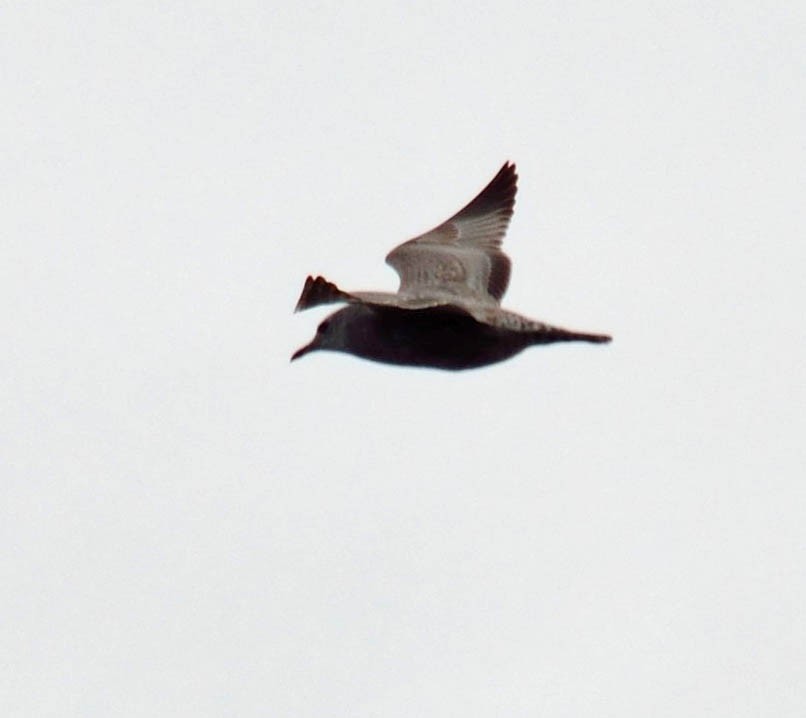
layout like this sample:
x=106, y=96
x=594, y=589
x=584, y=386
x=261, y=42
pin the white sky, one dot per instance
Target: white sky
x=193, y=526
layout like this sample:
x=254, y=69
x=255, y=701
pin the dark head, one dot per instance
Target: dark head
x=329, y=335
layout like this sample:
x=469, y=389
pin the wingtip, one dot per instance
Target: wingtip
x=319, y=291
x=498, y=196
x=305, y=289
x=597, y=338
x=510, y=168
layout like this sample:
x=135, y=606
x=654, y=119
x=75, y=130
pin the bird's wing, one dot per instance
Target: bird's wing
x=318, y=291
x=462, y=257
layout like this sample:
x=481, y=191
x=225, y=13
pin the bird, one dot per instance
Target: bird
x=446, y=313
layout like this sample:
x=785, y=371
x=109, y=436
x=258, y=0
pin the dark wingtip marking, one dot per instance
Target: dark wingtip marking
x=319, y=291
x=498, y=195
x=549, y=335
x=592, y=338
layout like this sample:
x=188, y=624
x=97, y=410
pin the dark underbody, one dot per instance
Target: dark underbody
x=441, y=338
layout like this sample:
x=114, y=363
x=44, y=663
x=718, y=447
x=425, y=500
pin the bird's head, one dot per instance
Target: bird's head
x=329, y=335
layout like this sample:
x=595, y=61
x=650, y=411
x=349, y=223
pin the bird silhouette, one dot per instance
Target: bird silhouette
x=446, y=313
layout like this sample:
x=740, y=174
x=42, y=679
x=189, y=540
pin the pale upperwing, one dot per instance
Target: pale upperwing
x=462, y=257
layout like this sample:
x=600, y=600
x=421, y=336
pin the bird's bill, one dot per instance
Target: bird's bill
x=302, y=351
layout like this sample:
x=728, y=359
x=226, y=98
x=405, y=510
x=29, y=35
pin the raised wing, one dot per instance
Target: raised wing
x=462, y=257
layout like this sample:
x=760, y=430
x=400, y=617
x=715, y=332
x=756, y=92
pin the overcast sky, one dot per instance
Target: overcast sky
x=191, y=525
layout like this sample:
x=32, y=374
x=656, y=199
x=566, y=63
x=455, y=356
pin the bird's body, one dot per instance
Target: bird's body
x=447, y=312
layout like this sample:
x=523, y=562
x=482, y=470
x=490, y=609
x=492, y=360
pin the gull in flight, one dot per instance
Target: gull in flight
x=447, y=312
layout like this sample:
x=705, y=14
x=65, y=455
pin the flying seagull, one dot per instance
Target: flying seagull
x=447, y=311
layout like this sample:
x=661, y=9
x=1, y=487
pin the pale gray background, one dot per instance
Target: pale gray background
x=193, y=526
